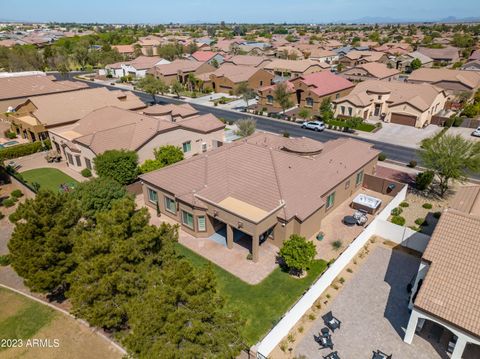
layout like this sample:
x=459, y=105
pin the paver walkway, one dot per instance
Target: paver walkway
x=373, y=310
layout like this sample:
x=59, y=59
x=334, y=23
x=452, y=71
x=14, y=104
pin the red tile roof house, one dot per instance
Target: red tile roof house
x=263, y=188
x=136, y=68
x=308, y=91
x=210, y=57
x=446, y=290
x=114, y=128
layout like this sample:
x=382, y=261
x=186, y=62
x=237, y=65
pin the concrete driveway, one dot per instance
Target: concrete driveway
x=372, y=308
x=401, y=135
x=464, y=132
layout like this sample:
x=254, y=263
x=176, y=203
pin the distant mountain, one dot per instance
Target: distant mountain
x=389, y=20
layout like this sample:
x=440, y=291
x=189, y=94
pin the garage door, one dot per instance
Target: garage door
x=403, y=119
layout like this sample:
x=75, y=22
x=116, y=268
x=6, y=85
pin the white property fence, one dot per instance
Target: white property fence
x=379, y=226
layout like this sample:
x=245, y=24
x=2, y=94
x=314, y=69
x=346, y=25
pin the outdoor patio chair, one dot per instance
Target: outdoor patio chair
x=360, y=216
x=332, y=355
x=331, y=322
x=381, y=355
x=325, y=331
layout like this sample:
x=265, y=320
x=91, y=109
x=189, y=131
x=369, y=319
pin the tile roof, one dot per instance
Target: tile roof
x=376, y=69
x=140, y=63
x=291, y=65
x=325, y=82
x=451, y=288
x=248, y=60
x=124, y=49
x=467, y=200
x=25, y=86
x=178, y=65
x=257, y=171
x=58, y=109
x=446, y=53
x=470, y=79
x=235, y=73
x=204, y=55
x=421, y=96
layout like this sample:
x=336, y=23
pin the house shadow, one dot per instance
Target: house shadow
x=401, y=271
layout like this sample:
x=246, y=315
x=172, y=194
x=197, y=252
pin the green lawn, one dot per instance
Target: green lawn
x=48, y=178
x=21, y=318
x=261, y=305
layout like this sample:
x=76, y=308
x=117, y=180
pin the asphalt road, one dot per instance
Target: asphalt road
x=393, y=152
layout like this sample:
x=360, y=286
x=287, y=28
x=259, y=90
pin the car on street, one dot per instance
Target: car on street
x=476, y=133
x=314, y=125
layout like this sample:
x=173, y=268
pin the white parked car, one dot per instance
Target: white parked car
x=476, y=133
x=314, y=125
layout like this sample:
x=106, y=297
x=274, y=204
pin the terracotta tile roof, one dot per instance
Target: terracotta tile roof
x=470, y=79
x=110, y=128
x=204, y=55
x=248, y=60
x=376, y=69
x=124, y=49
x=325, y=82
x=370, y=56
x=256, y=171
x=467, y=200
x=235, y=73
x=178, y=65
x=291, y=65
x=446, y=53
x=183, y=110
x=140, y=63
x=421, y=96
x=25, y=86
x=58, y=109
x=451, y=288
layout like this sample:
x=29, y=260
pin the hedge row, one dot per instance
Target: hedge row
x=23, y=150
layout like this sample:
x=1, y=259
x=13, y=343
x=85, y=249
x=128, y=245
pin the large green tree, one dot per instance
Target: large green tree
x=164, y=156
x=246, y=127
x=282, y=97
x=298, y=253
x=181, y=315
x=245, y=92
x=41, y=245
x=120, y=165
x=152, y=86
x=97, y=195
x=451, y=158
x=113, y=259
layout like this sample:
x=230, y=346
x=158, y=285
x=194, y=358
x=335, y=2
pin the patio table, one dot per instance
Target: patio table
x=349, y=220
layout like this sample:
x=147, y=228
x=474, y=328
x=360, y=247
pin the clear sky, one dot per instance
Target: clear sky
x=188, y=11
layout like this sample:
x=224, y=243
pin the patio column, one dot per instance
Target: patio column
x=255, y=247
x=459, y=348
x=229, y=236
x=412, y=326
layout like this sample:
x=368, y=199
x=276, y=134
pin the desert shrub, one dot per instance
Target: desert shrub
x=16, y=193
x=399, y=220
x=404, y=204
x=396, y=211
x=421, y=222
x=427, y=206
x=336, y=245
x=86, y=173
x=412, y=164
x=349, y=270
x=8, y=202
x=382, y=157
x=423, y=180
x=4, y=260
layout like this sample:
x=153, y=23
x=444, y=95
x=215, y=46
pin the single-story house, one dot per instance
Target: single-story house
x=248, y=60
x=446, y=55
x=270, y=187
x=128, y=51
x=14, y=90
x=403, y=62
x=308, y=91
x=135, y=68
x=33, y=118
x=370, y=71
x=178, y=70
x=446, y=290
x=392, y=101
x=114, y=128
x=453, y=81
x=355, y=57
x=473, y=65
